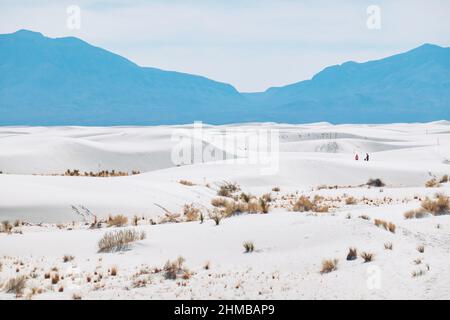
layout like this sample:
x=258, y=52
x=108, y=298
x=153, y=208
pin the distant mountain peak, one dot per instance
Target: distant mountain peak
x=27, y=33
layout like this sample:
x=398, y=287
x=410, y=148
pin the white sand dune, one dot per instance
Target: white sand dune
x=290, y=245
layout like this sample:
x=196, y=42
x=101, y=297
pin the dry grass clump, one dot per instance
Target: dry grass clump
x=439, y=206
x=375, y=183
x=276, y=189
x=119, y=240
x=364, y=217
x=417, y=213
x=368, y=257
x=249, y=246
x=432, y=183
x=389, y=226
x=232, y=207
x=191, y=212
x=6, y=227
x=351, y=200
x=227, y=189
x=117, y=221
x=16, y=285
x=264, y=205
x=114, y=271
x=329, y=265
x=174, y=269
x=55, y=278
x=444, y=179
x=68, y=258
x=305, y=204
x=219, y=202
x=352, y=254
x=186, y=183
x=388, y=246
x=421, y=248
x=267, y=197
x=254, y=206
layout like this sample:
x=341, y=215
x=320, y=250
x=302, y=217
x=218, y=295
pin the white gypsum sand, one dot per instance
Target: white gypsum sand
x=289, y=246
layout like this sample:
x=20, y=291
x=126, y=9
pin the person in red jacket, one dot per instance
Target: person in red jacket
x=356, y=157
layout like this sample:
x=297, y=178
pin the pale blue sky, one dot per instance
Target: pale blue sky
x=250, y=44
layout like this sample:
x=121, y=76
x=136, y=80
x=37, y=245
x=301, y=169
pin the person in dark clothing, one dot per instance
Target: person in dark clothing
x=367, y=157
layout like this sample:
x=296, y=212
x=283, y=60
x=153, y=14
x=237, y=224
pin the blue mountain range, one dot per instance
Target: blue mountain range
x=66, y=81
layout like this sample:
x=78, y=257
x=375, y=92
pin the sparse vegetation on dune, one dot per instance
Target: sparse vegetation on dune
x=226, y=189
x=191, y=212
x=439, y=206
x=117, y=221
x=388, y=246
x=416, y=213
x=329, y=265
x=389, y=226
x=249, y=246
x=352, y=254
x=351, y=200
x=432, y=183
x=6, y=227
x=304, y=204
x=444, y=179
x=367, y=256
x=119, y=240
x=16, y=285
x=174, y=269
x=186, y=183
x=99, y=174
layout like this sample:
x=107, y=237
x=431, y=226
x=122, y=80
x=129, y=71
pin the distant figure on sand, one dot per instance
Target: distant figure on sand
x=367, y=157
x=356, y=157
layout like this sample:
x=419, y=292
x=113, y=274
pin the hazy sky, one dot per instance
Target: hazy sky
x=253, y=44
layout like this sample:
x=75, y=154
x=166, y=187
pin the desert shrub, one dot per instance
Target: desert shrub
x=172, y=269
x=249, y=246
x=16, y=285
x=267, y=197
x=329, y=265
x=367, y=257
x=191, y=212
x=305, y=204
x=438, y=206
x=6, y=226
x=375, y=183
x=246, y=197
x=207, y=265
x=55, y=278
x=234, y=207
x=276, y=189
x=432, y=183
x=417, y=213
x=18, y=223
x=264, y=205
x=114, y=271
x=219, y=202
x=350, y=200
x=421, y=248
x=186, y=183
x=117, y=221
x=364, y=217
x=226, y=189
x=254, y=206
x=444, y=179
x=388, y=246
x=389, y=226
x=216, y=216
x=68, y=258
x=352, y=254
x=119, y=240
